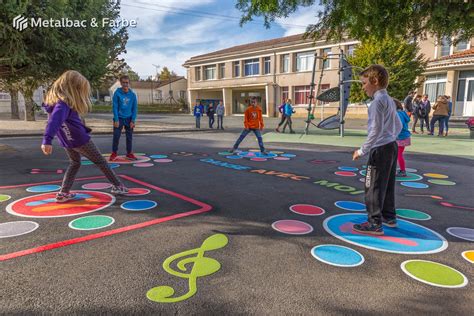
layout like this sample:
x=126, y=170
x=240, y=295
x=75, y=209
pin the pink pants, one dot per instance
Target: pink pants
x=401, y=160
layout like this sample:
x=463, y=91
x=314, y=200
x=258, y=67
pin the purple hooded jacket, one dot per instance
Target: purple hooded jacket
x=65, y=123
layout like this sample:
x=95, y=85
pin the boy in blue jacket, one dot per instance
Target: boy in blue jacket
x=198, y=112
x=124, y=106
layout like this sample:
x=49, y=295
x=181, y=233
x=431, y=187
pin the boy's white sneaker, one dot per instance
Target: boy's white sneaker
x=119, y=190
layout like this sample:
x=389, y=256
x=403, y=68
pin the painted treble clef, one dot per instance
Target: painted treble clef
x=201, y=266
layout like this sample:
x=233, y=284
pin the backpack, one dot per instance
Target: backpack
x=281, y=107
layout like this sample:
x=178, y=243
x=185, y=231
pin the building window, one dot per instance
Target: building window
x=435, y=85
x=210, y=72
x=197, y=70
x=462, y=45
x=159, y=95
x=285, y=63
x=284, y=94
x=236, y=68
x=221, y=71
x=251, y=67
x=266, y=65
x=304, y=61
x=445, y=46
x=302, y=94
x=465, y=76
x=182, y=94
x=4, y=96
x=350, y=50
x=326, y=62
x=171, y=93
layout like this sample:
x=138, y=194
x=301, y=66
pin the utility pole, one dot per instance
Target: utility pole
x=157, y=78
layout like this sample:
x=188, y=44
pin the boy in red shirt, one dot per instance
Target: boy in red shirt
x=253, y=122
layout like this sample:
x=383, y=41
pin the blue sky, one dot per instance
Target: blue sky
x=169, y=32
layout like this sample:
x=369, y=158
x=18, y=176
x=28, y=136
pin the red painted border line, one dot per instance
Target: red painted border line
x=203, y=209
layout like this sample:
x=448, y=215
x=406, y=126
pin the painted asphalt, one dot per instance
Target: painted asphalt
x=262, y=270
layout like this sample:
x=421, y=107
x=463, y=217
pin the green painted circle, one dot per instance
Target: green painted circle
x=410, y=176
x=4, y=197
x=412, y=214
x=441, y=182
x=86, y=163
x=91, y=222
x=434, y=273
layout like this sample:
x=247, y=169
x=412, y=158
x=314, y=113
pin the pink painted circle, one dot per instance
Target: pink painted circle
x=164, y=160
x=281, y=158
x=97, y=186
x=307, y=209
x=123, y=160
x=137, y=191
x=258, y=159
x=345, y=173
x=292, y=227
x=143, y=164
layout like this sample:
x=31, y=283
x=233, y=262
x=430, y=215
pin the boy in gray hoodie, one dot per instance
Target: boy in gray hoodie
x=220, y=111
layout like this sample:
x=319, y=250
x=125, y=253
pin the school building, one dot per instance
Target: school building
x=281, y=68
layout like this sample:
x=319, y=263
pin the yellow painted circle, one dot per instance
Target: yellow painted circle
x=436, y=175
x=469, y=255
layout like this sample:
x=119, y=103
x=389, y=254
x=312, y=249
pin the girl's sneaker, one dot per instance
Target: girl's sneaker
x=64, y=197
x=119, y=190
x=401, y=173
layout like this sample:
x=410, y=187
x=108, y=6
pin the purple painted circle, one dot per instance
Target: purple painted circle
x=461, y=232
x=282, y=158
x=97, y=186
x=307, y=209
x=258, y=159
x=143, y=164
x=345, y=173
x=292, y=227
x=165, y=160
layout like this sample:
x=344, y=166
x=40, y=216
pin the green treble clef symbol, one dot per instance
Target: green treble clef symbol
x=201, y=266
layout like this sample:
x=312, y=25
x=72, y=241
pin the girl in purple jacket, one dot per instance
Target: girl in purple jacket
x=68, y=97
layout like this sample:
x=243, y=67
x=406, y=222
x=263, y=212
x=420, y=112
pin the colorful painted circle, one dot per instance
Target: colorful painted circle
x=362, y=180
x=412, y=214
x=433, y=273
x=277, y=152
x=288, y=155
x=91, y=222
x=461, y=232
x=233, y=157
x=254, y=150
x=140, y=154
x=164, y=160
x=282, y=158
x=123, y=160
x=258, y=159
x=407, y=238
x=13, y=229
x=339, y=256
x=410, y=176
x=292, y=227
x=224, y=153
x=267, y=155
x=113, y=165
x=409, y=170
x=158, y=156
x=415, y=185
x=351, y=206
x=138, y=205
x=137, y=191
x=468, y=255
x=344, y=168
x=45, y=206
x=143, y=164
x=441, y=182
x=436, y=175
x=86, y=163
x=44, y=188
x=4, y=197
x=307, y=209
x=345, y=173
x=97, y=186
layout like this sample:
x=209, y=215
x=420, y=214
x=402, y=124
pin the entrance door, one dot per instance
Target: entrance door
x=469, y=98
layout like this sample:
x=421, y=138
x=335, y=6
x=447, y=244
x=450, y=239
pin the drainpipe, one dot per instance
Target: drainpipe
x=274, y=82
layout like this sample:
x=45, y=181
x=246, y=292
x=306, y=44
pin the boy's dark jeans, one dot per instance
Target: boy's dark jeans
x=211, y=121
x=380, y=183
x=123, y=122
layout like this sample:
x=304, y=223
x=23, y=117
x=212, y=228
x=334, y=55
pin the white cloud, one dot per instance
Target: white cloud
x=302, y=17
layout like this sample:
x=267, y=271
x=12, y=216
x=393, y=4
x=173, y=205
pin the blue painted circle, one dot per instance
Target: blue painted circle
x=158, y=156
x=339, y=256
x=348, y=169
x=268, y=155
x=351, y=206
x=415, y=185
x=138, y=205
x=407, y=238
x=44, y=188
x=233, y=157
x=288, y=155
x=248, y=154
x=113, y=165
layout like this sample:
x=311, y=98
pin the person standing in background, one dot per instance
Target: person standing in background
x=220, y=111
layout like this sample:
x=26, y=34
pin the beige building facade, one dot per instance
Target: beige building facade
x=281, y=68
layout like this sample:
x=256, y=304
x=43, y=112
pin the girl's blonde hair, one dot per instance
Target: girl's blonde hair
x=73, y=89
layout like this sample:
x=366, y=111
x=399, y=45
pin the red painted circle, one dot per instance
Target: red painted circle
x=307, y=209
x=45, y=205
x=137, y=191
x=345, y=173
x=258, y=159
